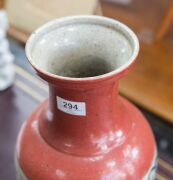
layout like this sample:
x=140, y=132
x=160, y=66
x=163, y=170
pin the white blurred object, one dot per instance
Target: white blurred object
x=6, y=58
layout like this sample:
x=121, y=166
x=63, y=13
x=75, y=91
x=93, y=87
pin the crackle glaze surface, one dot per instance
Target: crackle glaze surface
x=85, y=130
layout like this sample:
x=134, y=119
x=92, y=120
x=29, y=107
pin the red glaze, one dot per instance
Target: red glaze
x=113, y=141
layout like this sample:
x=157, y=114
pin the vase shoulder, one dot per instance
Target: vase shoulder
x=135, y=157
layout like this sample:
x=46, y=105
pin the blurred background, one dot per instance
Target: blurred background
x=149, y=84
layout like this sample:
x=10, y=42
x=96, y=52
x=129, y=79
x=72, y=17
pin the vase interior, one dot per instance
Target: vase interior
x=81, y=47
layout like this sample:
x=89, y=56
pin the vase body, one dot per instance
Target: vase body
x=85, y=130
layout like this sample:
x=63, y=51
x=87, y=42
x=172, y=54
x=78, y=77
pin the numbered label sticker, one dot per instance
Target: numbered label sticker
x=70, y=107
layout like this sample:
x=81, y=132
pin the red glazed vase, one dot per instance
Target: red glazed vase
x=85, y=130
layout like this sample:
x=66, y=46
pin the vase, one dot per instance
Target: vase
x=85, y=130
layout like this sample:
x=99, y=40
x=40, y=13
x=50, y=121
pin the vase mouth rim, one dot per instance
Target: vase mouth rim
x=104, y=21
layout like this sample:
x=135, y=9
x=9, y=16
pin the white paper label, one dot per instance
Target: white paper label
x=70, y=107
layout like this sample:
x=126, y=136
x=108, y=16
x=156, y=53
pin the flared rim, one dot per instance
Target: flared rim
x=104, y=21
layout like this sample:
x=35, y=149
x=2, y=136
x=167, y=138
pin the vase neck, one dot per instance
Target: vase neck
x=84, y=120
x=87, y=102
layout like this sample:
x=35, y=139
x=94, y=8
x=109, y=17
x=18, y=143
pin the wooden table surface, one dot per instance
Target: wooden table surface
x=150, y=82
